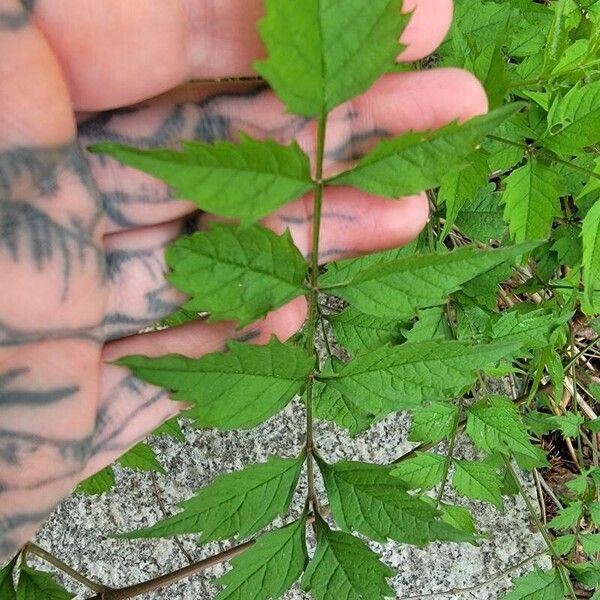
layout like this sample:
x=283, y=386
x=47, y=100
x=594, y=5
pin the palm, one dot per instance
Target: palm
x=83, y=238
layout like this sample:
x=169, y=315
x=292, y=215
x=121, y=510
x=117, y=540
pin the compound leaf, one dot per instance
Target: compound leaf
x=141, y=457
x=38, y=585
x=235, y=273
x=417, y=161
x=323, y=52
x=402, y=377
x=531, y=201
x=345, y=568
x=234, y=503
x=478, y=481
x=400, y=288
x=591, y=259
x=367, y=499
x=239, y=388
x=243, y=181
x=538, y=585
x=269, y=567
x=424, y=471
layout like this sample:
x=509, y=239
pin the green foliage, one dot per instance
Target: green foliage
x=101, y=482
x=424, y=471
x=368, y=499
x=538, y=585
x=321, y=54
x=399, y=288
x=417, y=161
x=7, y=588
x=243, y=181
x=141, y=458
x=401, y=377
x=532, y=201
x=591, y=259
x=424, y=329
x=478, y=481
x=268, y=568
x=494, y=425
x=38, y=585
x=240, y=388
x=252, y=271
x=344, y=568
x=233, y=504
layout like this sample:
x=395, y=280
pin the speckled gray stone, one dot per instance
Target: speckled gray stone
x=78, y=530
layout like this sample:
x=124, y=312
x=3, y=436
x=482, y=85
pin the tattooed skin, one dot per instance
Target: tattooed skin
x=59, y=207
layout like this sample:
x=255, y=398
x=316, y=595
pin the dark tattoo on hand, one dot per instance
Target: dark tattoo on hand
x=11, y=394
x=14, y=20
x=12, y=336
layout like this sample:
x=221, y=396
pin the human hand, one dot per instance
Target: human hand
x=82, y=238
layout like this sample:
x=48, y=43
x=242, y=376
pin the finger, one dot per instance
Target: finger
x=429, y=24
x=139, y=295
x=130, y=409
x=352, y=223
x=396, y=104
x=51, y=306
x=116, y=53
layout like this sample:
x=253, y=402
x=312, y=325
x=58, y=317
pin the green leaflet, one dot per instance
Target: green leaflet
x=494, y=425
x=239, y=388
x=591, y=259
x=538, y=585
x=234, y=503
x=171, y=428
x=458, y=517
x=358, y=332
x=347, y=269
x=399, y=288
x=478, y=481
x=459, y=188
x=531, y=201
x=141, y=458
x=482, y=219
x=323, y=52
x=38, y=585
x=432, y=324
x=574, y=120
x=269, y=567
x=243, y=181
x=532, y=329
x=367, y=499
x=424, y=471
x=7, y=588
x=101, y=482
x=237, y=274
x=345, y=568
x=398, y=378
x=330, y=404
x=417, y=161
x=433, y=423
x=568, y=516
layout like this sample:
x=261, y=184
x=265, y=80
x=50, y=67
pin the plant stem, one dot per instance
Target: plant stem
x=313, y=309
x=448, y=462
x=542, y=529
x=32, y=548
